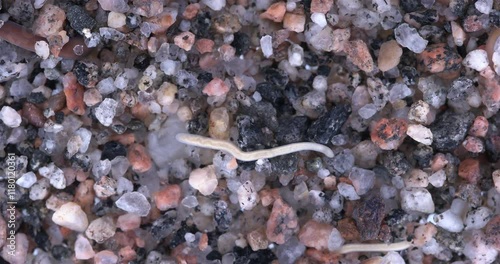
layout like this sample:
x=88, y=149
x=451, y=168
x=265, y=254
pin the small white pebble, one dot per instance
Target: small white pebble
x=134, y=202
x=420, y=134
x=347, y=191
x=478, y=250
x=54, y=174
x=478, y=218
x=116, y=20
x=484, y=6
x=10, y=117
x=204, y=180
x=257, y=97
x=320, y=83
x=476, y=59
x=266, y=44
x=215, y=5
x=290, y=6
x=448, y=221
x=106, y=111
x=416, y=200
x=319, y=19
x=27, y=180
x=416, y=178
x=71, y=216
x=42, y=49
x=335, y=240
x=247, y=196
x=438, y=178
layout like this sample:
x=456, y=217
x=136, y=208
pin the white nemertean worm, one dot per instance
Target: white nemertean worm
x=348, y=248
x=210, y=143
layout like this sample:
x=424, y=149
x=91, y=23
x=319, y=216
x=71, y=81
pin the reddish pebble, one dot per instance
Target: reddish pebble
x=314, y=234
x=496, y=180
x=232, y=164
x=191, y=11
x=473, y=144
x=74, y=94
x=204, y=45
x=139, y=158
x=127, y=254
x=424, y=234
x=439, y=58
x=57, y=102
x=348, y=230
x=473, y=23
x=128, y=222
x=359, y=54
x=203, y=244
x=168, y=197
x=268, y=196
x=49, y=22
x=470, y=170
x=216, y=87
x=33, y=114
x=105, y=257
x=227, y=52
x=492, y=232
x=321, y=6
x=161, y=22
x=282, y=222
x=438, y=162
x=124, y=239
x=294, y=21
x=490, y=94
x=84, y=195
x=480, y=127
x=275, y=12
x=185, y=40
x=388, y=134
x=257, y=239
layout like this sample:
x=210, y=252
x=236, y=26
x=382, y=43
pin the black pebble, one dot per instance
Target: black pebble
x=241, y=43
x=113, y=149
x=270, y=93
x=200, y=26
x=284, y=164
x=395, y=162
x=164, y=226
x=85, y=72
x=423, y=155
x=142, y=61
x=329, y=124
x=277, y=77
x=59, y=117
x=198, y=125
x=38, y=159
x=60, y=252
x=222, y=216
x=450, y=129
x=36, y=98
x=79, y=19
x=214, y=255
x=410, y=5
x=291, y=129
x=495, y=18
x=324, y=70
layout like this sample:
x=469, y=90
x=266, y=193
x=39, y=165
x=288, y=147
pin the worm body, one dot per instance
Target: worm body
x=18, y=35
x=205, y=142
x=374, y=247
